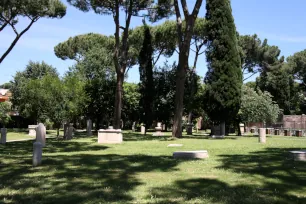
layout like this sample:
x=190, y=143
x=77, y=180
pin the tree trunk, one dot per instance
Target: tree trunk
x=179, y=97
x=239, y=131
x=118, y=101
x=58, y=132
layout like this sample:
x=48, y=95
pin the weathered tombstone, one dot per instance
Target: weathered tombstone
x=298, y=133
x=66, y=125
x=37, y=153
x=41, y=134
x=241, y=126
x=287, y=132
x=189, y=129
x=219, y=131
x=299, y=155
x=200, y=154
x=143, y=129
x=252, y=130
x=89, y=127
x=262, y=135
x=32, y=131
x=133, y=126
x=110, y=136
x=3, y=135
x=164, y=127
x=70, y=132
x=158, y=130
x=276, y=132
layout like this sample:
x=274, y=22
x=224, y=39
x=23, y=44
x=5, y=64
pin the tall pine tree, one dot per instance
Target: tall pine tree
x=224, y=77
x=146, y=79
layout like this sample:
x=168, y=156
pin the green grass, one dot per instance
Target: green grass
x=142, y=170
x=23, y=134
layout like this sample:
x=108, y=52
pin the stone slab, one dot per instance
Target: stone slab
x=32, y=130
x=299, y=155
x=217, y=136
x=199, y=154
x=175, y=145
x=110, y=136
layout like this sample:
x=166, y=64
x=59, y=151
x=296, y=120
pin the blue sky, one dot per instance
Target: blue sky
x=283, y=23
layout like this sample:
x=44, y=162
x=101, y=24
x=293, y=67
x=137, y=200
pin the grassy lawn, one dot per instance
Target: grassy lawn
x=24, y=134
x=142, y=170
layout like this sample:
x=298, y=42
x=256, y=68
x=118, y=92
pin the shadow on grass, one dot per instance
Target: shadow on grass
x=131, y=136
x=280, y=178
x=79, y=178
x=52, y=146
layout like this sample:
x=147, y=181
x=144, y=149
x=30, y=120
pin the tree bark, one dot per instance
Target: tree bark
x=118, y=101
x=179, y=97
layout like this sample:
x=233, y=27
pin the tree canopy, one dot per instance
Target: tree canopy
x=33, y=10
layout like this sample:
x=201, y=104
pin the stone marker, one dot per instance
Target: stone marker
x=70, y=132
x=133, y=126
x=189, y=129
x=262, y=135
x=298, y=133
x=89, y=127
x=276, y=132
x=32, y=131
x=110, y=136
x=299, y=155
x=158, y=130
x=37, y=153
x=200, y=154
x=219, y=131
x=241, y=126
x=287, y=132
x=143, y=129
x=175, y=145
x=41, y=134
x=3, y=135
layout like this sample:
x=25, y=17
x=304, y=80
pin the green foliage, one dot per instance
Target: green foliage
x=5, y=108
x=12, y=10
x=297, y=65
x=258, y=56
x=24, y=87
x=146, y=79
x=131, y=98
x=223, y=79
x=7, y=85
x=258, y=106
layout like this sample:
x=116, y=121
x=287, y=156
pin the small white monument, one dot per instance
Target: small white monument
x=262, y=135
x=41, y=134
x=110, y=136
x=37, y=153
x=158, y=130
x=32, y=131
x=143, y=129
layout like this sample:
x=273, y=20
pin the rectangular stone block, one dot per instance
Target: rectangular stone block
x=32, y=130
x=110, y=136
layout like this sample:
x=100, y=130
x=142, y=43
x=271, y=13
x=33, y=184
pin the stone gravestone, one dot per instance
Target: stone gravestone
x=89, y=127
x=143, y=129
x=276, y=132
x=158, y=130
x=37, y=153
x=133, y=126
x=70, y=132
x=32, y=131
x=189, y=129
x=110, y=136
x=219, y=131
x=3, y=135
x=241, y=126
x=41, y=134
x=66, y=125
x=262, y=135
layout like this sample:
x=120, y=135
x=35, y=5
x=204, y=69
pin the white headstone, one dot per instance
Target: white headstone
x=3, y=135
x=70, y=132
x=32, y=131
x=41, y=134
x=143, y=129
x=37, y=153
x=110, y=136
x=262, y=135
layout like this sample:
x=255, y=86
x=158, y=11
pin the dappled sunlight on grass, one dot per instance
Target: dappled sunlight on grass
x=142, y=170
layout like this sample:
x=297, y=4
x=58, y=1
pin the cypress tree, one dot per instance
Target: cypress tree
x=224, y=77
x=146, y=79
